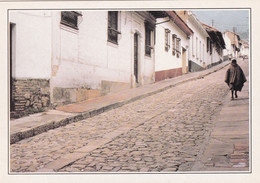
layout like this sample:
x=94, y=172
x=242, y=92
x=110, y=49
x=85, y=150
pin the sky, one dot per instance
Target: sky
x=225, y=19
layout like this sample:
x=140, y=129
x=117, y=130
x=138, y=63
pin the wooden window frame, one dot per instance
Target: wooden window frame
x=167, y=39
x=178, y=47
x=148, y=39
x=174, y=37
x=112, y=27
x=70, y=19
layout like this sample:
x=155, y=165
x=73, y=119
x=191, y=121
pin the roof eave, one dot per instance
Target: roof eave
x=180, y=23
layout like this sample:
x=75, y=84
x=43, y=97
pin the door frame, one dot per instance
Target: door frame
x=136, y=57
x=184, y=60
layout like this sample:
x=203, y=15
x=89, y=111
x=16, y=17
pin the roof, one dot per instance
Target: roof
x=175, y=18
x=159, y=14
x=234, y=38
x=179, y=22
x=214, y=34
x=193, y=19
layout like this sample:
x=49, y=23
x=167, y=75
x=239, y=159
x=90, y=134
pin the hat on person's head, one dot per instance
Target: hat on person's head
x=234, y=61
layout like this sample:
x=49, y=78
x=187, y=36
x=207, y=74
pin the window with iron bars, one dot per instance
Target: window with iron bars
x=113, y=27
x=174, y=36
x=148, y=40
x=70, y=18
x=209, y=45
x=167, y=39
x=178, y=47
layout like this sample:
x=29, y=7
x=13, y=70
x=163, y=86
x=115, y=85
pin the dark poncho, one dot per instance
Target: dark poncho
x=235, y=77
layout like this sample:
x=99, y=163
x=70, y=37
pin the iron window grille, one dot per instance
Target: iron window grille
x=178, y=46
x=209, y=45
x=113, y=26
x=174, y=36
x=70, y=19
x=167, y=39
x=148, y=42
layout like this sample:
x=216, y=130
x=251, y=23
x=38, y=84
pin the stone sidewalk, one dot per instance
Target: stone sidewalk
x=227, y=148
x=41, y=122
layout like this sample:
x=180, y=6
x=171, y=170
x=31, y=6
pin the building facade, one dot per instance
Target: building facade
x=206, y=43
x=171, y=48
x=244, y=49
x=61, y=57
x=215, y=45
x=232, y=44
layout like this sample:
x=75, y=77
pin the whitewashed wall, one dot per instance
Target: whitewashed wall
x=84, y=58
x=229, y=48
x=165, y=60
x=32, y=44
x=196, y=52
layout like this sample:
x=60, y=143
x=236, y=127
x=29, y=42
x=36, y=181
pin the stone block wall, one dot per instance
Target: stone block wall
x=110, y=86
x=63, y=96
x=29, y=96
x=194, y=67
x=214, y=64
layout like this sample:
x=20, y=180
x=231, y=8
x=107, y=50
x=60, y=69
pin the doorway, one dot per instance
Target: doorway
x=184, y=68
x=12, y=57
x=136, y=57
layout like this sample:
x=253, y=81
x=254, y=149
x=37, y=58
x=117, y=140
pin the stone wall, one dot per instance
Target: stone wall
x=110, y=86
x=64, y=96
x=194, y=67
x=29, y=96
x=214, y=64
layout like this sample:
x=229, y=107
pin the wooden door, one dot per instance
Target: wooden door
x=136, y=57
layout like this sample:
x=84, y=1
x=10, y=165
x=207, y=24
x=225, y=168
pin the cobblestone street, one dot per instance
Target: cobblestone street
x=160, y=133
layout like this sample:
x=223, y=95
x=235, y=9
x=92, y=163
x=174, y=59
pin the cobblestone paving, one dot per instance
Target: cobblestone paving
x=170, y=128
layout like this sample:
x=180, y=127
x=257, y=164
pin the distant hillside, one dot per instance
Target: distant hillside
x=225, y=20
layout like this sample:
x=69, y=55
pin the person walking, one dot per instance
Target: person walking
x=235, y=78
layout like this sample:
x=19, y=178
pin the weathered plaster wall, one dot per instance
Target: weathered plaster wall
x=32, y=44
x=198, y=49
x=31, y=61
x=84, y=59
x=165, y=60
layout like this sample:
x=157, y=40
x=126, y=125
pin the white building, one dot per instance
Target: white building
x=232, y=44
x=205, y=45
x=244, y=49
x=215, y=45
x=69, y=56
x=172, y=43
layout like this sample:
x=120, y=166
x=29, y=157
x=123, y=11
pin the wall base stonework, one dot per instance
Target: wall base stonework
x=214, y=64
x=194, y=67
x=167, y=74
x=29, y=96
x=63, y=96
x=111, y=86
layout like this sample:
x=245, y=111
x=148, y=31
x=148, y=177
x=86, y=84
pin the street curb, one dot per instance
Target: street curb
x=18, y=136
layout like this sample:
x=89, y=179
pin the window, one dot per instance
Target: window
x=192, y=45
x=113, y=26
x=167, y=39
x=209, y=45
x=70, y=18
x=178, y=47
x=148, y=41
x=174, y=36
x=203, y=52
x=200, y=51
x=210, y=48
x=197, y=46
